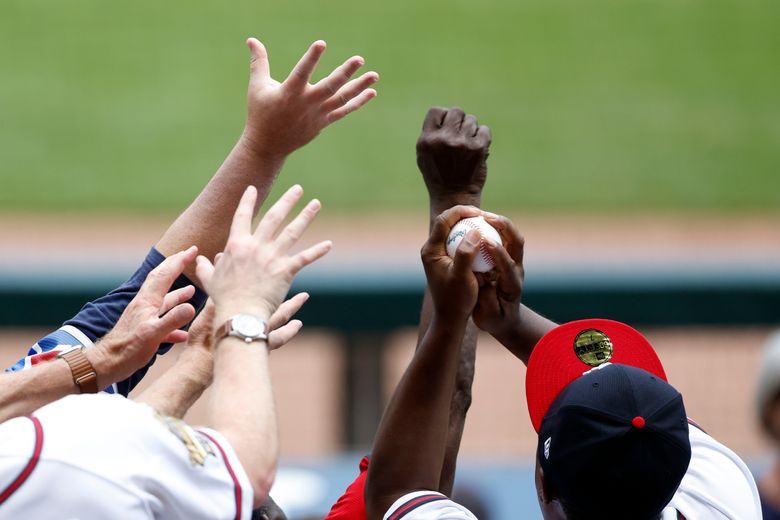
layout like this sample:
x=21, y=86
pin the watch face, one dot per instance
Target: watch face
x=248, y=326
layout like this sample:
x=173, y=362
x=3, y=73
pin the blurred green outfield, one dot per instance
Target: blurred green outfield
x=595, y=105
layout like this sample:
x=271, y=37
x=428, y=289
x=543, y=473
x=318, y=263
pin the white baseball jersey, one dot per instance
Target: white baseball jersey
x=427, y=505
x=717, y=485
x=93, y=457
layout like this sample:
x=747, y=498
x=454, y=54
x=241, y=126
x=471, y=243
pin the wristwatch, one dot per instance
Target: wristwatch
x=245, y=326
x=81, y=369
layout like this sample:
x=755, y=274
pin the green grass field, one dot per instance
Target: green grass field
x=595, y=105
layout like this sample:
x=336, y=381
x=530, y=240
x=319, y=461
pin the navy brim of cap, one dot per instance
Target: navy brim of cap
x=554, y=363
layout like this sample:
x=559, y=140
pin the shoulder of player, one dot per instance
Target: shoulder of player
x=717, y=475
x=427, y=505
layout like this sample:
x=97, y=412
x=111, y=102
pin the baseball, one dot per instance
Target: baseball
x=483, y=262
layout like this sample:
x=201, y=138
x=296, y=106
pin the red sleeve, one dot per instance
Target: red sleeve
x=352, y=504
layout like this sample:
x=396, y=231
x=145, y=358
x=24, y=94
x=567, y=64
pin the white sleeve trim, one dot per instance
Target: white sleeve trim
x=80, y=336
x=427, y=505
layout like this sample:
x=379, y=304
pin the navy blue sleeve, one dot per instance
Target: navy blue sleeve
x=98, y=317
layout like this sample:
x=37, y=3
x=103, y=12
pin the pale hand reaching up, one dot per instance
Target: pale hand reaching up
x=256, y=270
x=283, y=117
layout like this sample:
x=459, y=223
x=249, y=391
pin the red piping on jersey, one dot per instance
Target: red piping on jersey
x=414, y=504
x=694, y=423
x=236, y=484
x=19, y=480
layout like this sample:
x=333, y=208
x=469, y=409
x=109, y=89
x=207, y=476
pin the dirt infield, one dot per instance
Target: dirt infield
x=554, y=241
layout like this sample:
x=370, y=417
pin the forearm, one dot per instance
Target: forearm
x=177, y=389
x=21, y=393
x=459, y=407
x=410, y=444
x=461, y=397
x=242, y=409
x=439, y=203
x=206, y=222
x=526, y=333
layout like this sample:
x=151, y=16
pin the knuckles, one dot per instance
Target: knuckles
x=441, y=142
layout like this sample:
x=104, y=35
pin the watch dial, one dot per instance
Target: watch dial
x=248, y=325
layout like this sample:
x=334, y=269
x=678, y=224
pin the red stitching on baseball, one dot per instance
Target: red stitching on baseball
x=483, y=252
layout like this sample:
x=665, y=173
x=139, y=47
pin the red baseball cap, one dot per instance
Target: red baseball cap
x=575, y=348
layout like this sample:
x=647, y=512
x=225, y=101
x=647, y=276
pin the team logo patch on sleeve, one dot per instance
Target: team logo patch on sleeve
x=198, y=447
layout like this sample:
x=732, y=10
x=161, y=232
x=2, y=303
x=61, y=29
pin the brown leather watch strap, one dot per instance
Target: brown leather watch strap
x=83, y=372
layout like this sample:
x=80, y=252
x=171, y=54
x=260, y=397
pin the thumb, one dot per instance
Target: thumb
x=467, y=250
x=259, y=68
x=203, y=270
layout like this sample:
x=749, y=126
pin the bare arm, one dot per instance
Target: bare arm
x=452, y=156
x=151, y=318
x=252, y=277
x=410, y=444
x=531, y=326
x=21, y=393
x=177, y=389
x=281, y=118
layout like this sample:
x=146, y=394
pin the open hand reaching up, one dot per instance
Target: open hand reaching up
x=283, y=117
x=256, y=270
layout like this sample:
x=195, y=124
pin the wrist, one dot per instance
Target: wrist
x=449, y=321
x=224, y=313
x=253, y=144
x=106, y=365
x=442, y=201
x=509, y=335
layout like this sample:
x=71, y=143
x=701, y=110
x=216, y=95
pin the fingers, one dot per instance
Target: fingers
x=295, y=229
x=352, y=106
x=453, y=118
x=174, y=319
x=174, y=298
x=349, y=91
x=467, y=250
x=487, y=304
x=484, y=136
x=200, y=330
x=434, y=118
x=469, y=126
x=259, y=67
x=328, y=86
x=204, y=270
x=177, y=336
x=509, y=283
x=287, y=310
x=160, y=279
x=510, y=235
x=443, y=224
x=242, y=218
x=301, y=73
x=283, y=335
x=273, y=218
x=310, y=255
